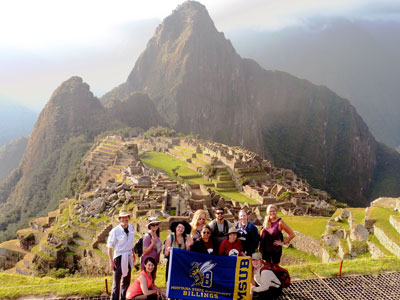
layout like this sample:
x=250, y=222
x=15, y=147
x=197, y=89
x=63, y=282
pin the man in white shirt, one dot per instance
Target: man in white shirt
x=267, y=285
x=120, y=253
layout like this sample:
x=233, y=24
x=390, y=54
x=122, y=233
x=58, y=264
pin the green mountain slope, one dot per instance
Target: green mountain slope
x=10, y=155
x=65, y=130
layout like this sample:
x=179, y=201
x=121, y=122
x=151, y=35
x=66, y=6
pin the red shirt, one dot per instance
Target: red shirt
x=135, y=288
x=230, y=249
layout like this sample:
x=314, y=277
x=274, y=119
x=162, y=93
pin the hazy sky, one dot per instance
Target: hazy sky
x=44, y=42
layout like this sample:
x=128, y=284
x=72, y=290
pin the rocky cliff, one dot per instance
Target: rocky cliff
x=64, y=131
x=200, y=84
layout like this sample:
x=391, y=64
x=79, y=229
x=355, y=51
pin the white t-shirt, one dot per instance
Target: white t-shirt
x=120, y=241
x=265, y=280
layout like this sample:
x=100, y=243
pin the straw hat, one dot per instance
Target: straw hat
x=152, y=220
x=233, y=230
x=123, y=213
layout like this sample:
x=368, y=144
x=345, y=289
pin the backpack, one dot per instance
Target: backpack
x=138, y=248
x=281, y=273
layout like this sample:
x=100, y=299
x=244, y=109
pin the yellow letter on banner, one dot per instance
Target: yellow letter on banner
x=242, y=278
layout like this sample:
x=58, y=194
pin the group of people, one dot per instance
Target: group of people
x=218, y=237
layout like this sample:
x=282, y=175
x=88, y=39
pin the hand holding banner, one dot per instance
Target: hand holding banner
x=195, y=275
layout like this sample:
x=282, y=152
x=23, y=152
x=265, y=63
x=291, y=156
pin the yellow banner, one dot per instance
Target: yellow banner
x=242, y=279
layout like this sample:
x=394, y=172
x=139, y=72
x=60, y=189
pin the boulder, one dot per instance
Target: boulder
x=345, y=213
x=112, y=197
x=359, y=233
x=338, y=219
x=331, y=240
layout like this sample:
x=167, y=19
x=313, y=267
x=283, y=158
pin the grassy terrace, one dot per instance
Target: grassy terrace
x=372, y=238
x=370, y=266
x=342, y=224
x=303, y=256
x=166, y=162
x=239, y=197
x=358, y=214
x=312, y=226
x=199, y=180
x=381, y=215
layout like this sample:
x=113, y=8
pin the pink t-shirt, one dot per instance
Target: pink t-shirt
x=135, y=288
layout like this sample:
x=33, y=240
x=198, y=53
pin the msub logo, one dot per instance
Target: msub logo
x=201, y=273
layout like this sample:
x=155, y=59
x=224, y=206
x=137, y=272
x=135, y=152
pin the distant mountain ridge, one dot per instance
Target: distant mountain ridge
x=10, y=155
x=359, y=60
x=15, y=121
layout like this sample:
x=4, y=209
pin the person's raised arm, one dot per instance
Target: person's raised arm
x=148, y=246
x=167, y=246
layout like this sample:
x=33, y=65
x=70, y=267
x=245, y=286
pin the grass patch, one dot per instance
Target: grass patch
x=303, y=256
x=200, y=180
x=166, y=162
x=370, y=266
x=14, y=286
x=382, y=215
x=236, y=196
x=163, y=235
x=358, y=215
x=312, y=226
x=372, y=238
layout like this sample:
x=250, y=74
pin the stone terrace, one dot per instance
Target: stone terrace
x=106, y=160
x=245, y=171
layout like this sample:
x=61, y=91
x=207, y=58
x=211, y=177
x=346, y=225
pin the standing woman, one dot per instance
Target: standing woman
x=271, y=241
x=152, y=243
x=198, y=221
x=178, y=238
x=248, y=232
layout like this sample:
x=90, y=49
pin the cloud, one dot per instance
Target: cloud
x=276, y=15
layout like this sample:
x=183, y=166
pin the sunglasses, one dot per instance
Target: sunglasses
x=206, y=232
x=154, y=224
x=220, y=213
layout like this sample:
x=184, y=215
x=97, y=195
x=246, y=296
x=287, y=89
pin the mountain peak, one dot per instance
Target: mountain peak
x=189, y=17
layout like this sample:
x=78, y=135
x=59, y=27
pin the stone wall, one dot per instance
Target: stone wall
x=395, y=223
x=386, y=241
x=374, y=250
x=307, y=244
